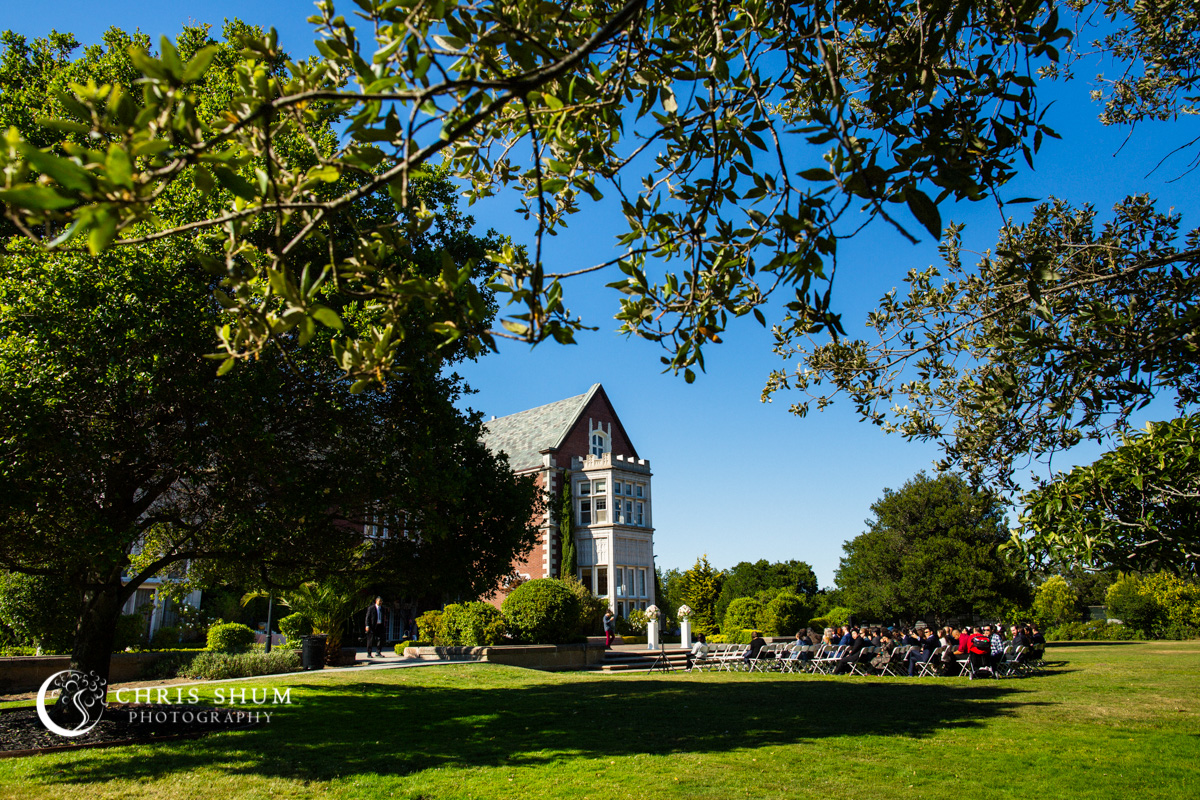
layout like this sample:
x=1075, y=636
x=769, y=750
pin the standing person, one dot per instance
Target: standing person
x=610, y=627
x=376, y=629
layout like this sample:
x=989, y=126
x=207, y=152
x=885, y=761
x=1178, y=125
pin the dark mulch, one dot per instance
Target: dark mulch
x=21, y=732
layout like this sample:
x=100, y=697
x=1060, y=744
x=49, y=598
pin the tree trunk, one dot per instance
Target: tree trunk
x=97, y=629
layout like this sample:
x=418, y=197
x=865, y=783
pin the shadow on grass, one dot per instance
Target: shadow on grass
x=395, y=729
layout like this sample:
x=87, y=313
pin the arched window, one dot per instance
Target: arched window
x=599, y=443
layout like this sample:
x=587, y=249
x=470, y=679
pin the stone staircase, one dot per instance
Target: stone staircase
x=640, y=660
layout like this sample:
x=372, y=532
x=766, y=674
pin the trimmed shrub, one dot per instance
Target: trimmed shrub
x=716, y=638
x=37, y=611
x=743, y=636
x=165, y=637
x=429, y=626
x=169, y=666
x=1159, y=606
x=1055, y=603
x=542, y=611
x=785, y=614
x=633, y=639
x=130, y=633
x=400, y=648
x=471, y=625
x=1097, y=630
x=212, y=666
x=293, y=626
x=230, y=637
x=742, y=613
x=591, y=608
x=838, y=615
x=633, y=625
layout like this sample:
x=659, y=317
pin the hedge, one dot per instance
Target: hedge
x=742, y=613
x=219, y=666
x=542, y=611
x=471, y=625
x=230, y=637
x=293, y=626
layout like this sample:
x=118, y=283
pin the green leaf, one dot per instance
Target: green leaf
x=925, y=210
x=226, y=365
x=816, y=174
x=104, y=230
x=202, y=178
x=65, y=173
x=118, y=166
x=235, y=183
x=325, y=172
x=199, y=63
x=327, y=317
x=37, y=198
x=170, y=58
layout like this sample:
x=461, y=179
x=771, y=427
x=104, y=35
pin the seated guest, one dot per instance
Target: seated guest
x=979, y=651
x=1035, y=636
x=963, y=638
x=1020, y=636
x=846, y=636
x=997, y=636
x=699, y=650
x=922, y=651
x=857, y=643
x=757, y=643
x=886, y=646
x=803, y=639
x=952, y=654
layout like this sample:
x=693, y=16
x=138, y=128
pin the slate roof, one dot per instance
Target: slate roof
x=525, y=434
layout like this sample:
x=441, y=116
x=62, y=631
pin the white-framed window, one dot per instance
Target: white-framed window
x=619, y=581
x=641, y=576
x=376, y=525
x=599, y=444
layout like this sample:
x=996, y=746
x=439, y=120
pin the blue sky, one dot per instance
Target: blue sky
x=734, y=478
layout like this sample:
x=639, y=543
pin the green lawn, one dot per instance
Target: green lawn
x=1117, y=720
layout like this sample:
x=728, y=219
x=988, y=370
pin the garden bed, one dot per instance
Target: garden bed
x=22, y=733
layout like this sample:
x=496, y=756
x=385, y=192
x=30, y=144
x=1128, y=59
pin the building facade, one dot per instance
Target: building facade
x=581, y=439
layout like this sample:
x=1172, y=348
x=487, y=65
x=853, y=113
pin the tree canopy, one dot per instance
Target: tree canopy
x=747, y=578
x=741, y=144
x=1074, y=321
x=125, y=455
x=1136, y=508
x=931, y=550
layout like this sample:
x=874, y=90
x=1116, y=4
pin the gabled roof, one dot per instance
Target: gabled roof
x=524, y=435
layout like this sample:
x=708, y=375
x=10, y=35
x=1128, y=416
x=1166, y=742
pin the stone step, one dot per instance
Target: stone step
x=640, y=660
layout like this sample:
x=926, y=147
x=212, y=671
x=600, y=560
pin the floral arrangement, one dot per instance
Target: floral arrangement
x=684, y=612
x=652, y=612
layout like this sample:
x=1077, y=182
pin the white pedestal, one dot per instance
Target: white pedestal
x=685, y=632
x=652, y=635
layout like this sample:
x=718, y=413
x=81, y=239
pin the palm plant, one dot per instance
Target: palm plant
x=326, y=604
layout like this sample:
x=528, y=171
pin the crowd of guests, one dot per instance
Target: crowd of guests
x=983, y=646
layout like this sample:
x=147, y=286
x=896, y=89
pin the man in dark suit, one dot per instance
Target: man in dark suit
x=376, y=627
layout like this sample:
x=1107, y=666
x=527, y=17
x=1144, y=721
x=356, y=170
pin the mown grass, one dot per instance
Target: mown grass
x=1118, y=720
